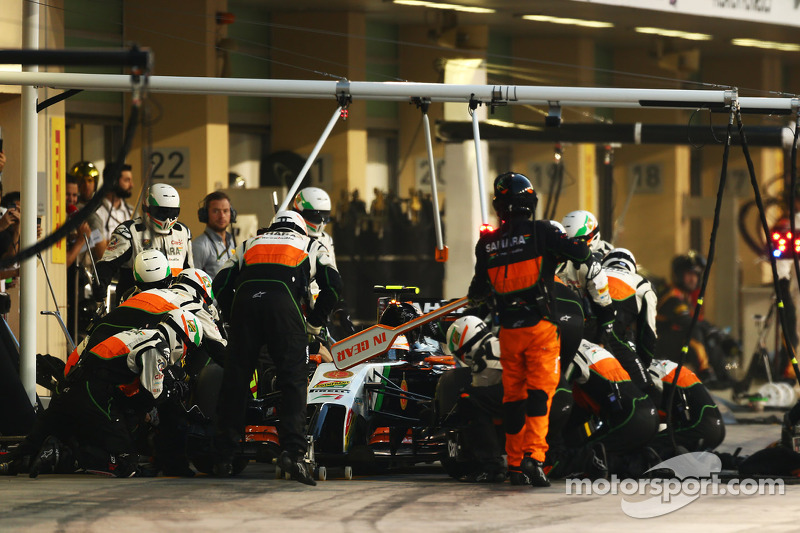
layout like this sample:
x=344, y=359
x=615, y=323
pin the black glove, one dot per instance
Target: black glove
x=341, y=319
x=605, y=318
x=176, y=383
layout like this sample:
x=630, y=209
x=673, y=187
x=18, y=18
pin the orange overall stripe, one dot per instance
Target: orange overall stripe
x=610, y=369
x=110, y=348
x=687, y=378
x=131, y=388
x=516, y=276
x=149, y=302
x=281, y=254
x=72, y=360
x=619, y=290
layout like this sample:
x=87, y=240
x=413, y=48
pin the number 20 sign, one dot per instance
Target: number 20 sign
x=171, y=165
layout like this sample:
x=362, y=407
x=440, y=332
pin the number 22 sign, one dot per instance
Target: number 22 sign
x=171, y=165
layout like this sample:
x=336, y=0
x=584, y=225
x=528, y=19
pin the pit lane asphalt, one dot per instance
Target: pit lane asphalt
x=419, y=499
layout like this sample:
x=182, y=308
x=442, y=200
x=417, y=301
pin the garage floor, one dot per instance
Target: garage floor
x=423, y=499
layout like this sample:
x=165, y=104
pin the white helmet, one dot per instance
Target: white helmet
x=621, y=258
x=151, y=270
x=556, y=224
x=464, y=336
x=289, y=219
x=198, y=282
x=658, y=371
x=162, y=207
x=315, y=206
x=581, y=225
x=182, y=332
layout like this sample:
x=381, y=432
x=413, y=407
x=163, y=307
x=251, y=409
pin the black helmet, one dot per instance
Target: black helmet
x=398, y=313
x=513, y=194
x=685, y=263
x=698, y=260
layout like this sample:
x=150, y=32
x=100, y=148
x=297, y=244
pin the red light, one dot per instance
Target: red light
x=225, y=18
x=776, y=236
x=486, y=228
x=344, y=114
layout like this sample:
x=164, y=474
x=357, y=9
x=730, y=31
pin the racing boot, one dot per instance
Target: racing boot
x=534, y=471
x=487, y=473
x=224, y=450
x=297, y=469
x=597, y=464
x=47, y=459
x=516, y=477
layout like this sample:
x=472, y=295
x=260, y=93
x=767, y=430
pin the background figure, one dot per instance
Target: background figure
x=113, y=210
x=86, y=174
x=71, y=190
x=215, y=246
x=708, y=344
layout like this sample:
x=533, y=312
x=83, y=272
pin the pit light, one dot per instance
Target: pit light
x=486, y=228
x=782, y=244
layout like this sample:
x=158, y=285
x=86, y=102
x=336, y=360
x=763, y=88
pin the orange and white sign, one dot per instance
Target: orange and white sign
x=375, y=340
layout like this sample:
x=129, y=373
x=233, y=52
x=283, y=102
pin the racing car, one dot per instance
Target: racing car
x=378, y=414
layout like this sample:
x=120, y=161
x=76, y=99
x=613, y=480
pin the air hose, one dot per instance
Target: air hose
x=711, y=248
x=736, y=112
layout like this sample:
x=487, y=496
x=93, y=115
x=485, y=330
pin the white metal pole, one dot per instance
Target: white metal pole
x=310, y=160
x=437, y=222
x=405, y=91
x=476, y=132
x=27, y=274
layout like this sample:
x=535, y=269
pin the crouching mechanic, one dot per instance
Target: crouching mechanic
x=157, y=229
x=696, y=418
x=151, y=270
x=609, y=409
x=83, y=426
x=190, y=291
x=635, y=302
x=260, y=292
x=481, y=401
x=514, y=271
x=588, y=279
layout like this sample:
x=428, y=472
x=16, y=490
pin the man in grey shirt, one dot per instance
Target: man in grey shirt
x=215, y=246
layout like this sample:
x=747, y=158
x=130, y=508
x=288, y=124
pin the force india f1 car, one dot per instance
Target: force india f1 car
x=377, y=415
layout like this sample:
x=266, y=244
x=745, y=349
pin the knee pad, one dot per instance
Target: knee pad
x=536, y=405
x=513, y=416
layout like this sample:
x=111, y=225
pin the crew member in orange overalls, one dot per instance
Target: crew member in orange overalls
x=515, y=265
